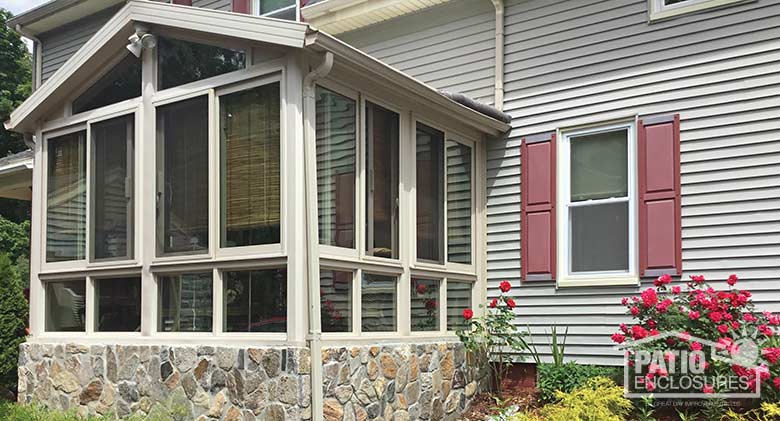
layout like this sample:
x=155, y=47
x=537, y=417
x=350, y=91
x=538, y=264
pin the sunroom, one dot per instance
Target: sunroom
x=222, y=193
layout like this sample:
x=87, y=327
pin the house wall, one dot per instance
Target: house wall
x=571, y=63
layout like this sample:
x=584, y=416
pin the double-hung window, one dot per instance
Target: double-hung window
x=597, y=198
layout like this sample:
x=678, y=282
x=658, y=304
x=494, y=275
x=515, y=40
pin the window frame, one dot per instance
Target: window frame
x=658, y=10
x=272, y=14
x=567, y=278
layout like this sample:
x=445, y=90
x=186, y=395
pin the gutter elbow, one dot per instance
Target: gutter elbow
x=322, y=70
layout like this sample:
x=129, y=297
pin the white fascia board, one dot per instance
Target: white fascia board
x=337, y=16
x=395, y=77
x=242, y=26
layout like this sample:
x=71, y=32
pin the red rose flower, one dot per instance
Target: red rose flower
x=776, y=382
x=663, y=280
x=649, y=298
x=505, y=286
x=697, y=279
x=708, y=389
x=634, y=311
x=510, y=303
x=468, y=314
x=723, y=329
x=732, y=280
x=716, y=316
x=618, y=338
x=493, y=303
x=693, y=315
x=696, y=346
x=676, y=289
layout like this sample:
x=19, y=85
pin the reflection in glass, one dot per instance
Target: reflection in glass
x=336, y=157
x=183, y=177
x=65, y=306
x=112, y=187
x=430, y=194
x=425, y=305
x=378, y=295
x=183, y=62
x=382, y=128
x=599, y=166
x=255, y=301
x=186, y=303
x=458, y=299
x=250, y=142
x=459, y=202
x=118, y=305
x=66, y=198
x=599, y=237
x=335, y=300
x=121, y=83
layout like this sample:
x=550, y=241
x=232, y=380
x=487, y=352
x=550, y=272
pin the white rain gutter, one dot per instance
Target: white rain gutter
x=37, y=59
x=499, y=70
x=312, y=232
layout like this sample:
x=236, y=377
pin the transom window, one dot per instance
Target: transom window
x=598, y=202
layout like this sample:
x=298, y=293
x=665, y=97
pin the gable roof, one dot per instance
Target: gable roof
x=112, y=37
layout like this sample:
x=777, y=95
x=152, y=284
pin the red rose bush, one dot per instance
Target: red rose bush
x=493, y=337
x=745, y=340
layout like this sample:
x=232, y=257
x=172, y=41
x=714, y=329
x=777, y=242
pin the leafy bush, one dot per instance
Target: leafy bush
x=13, y=412
x=13, y=323
x=599, y=399
x=698, y=315
x=767, y=412
x=569, y=376
x=493, y=340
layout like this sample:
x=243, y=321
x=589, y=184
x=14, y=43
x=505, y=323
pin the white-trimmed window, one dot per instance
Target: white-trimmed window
x=185, y=302
x=598, y=205
x=280, y=9
x=663, y=9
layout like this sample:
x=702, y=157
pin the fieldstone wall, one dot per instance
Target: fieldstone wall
x=397, y=382
x=190, y=382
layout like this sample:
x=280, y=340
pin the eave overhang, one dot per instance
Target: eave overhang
x=339, y=16
x=56, y=13
x=112, y=38
x=16, y=176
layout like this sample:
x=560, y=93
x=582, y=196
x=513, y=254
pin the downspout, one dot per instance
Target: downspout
x=312, y=232
x=37, y=56
x=499, y=70
x=29, y=140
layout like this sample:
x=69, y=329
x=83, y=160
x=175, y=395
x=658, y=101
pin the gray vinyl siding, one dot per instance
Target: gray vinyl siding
x=571, y=63
x=451, y=51
x=226, y=5
x=60, y=44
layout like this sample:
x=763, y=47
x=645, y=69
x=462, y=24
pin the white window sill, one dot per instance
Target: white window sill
x=598, y=282
x=669, y=12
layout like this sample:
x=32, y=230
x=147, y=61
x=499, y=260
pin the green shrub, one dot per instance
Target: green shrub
x=600, y=399
x=13, y=322
x=570, y=376
x=13, y=412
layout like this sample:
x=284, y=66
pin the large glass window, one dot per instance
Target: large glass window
x=280, y=9
x=181, y=62
x=378, y=296
x=430, y=193
x=598, y=202
x=183, y=177
x=425, y=305
x=112, y=188
x=118, y=305
x=66, y=197
x=65, y=306
x=459, y=202
x=336, y=300
x=122, y=82
x=185, y=303
x=336, y=159
x=458, y=299
x=250, y=141
x=382, y=143
x=255, y=301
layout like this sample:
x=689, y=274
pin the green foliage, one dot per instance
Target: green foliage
x=15, y=80
x=557, y=346
x=493, y=339
x=13, y=412
x=13, y=322
x=570, y=376
x=646, y=411
x=14, y=238
x=767, y=412
x=600, y=399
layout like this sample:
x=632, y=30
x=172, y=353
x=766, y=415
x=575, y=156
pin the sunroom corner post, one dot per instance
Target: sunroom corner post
x=147, y=197
x=480, y=296
x=36, y=241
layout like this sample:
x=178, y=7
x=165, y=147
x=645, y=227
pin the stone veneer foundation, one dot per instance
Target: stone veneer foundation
x=396, y=382
x=196, y=382
x=384, y=382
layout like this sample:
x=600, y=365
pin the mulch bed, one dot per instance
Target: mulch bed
x=484, y=405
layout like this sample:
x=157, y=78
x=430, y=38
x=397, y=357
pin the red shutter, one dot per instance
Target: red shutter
x=660, y=231
x=182, y=2
x=241, y=6
x=538, y=207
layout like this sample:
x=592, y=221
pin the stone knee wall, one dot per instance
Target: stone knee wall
x=185, y=382
x=396, y=382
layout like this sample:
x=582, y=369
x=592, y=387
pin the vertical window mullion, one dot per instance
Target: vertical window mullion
x=90, y=303
x=218, y=302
